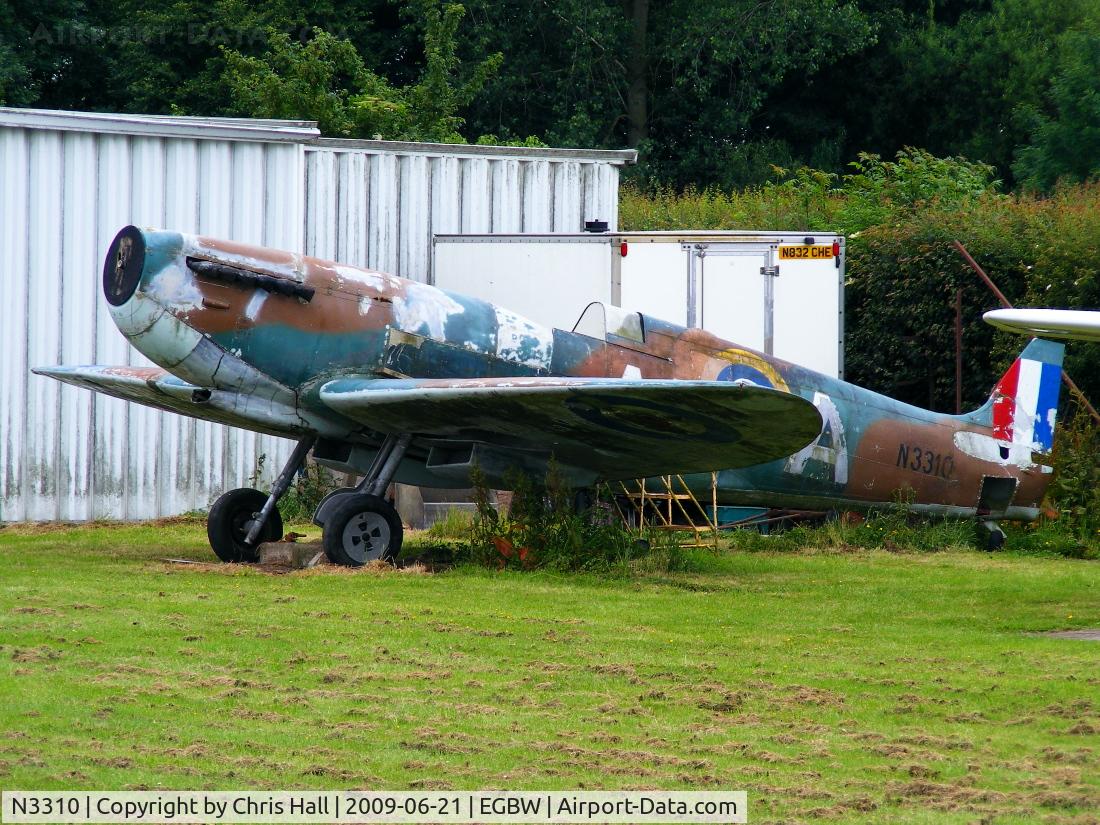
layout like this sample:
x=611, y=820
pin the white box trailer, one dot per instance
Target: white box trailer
x=776, y=292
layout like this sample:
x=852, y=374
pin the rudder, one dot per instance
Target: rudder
x=1023, y=407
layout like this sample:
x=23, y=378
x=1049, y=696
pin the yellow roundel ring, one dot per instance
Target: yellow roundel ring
x=752, y=363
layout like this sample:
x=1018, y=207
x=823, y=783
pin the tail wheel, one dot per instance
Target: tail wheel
x=362, y=528
x=991, y=535
x=232, y=517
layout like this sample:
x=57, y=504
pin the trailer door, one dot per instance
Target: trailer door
x=732, y=295
x=808, y=296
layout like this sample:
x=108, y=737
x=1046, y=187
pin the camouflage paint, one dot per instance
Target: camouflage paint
x=874, y=450
x=286, y=364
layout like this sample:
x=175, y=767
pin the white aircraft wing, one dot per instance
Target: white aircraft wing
x=1072, y=324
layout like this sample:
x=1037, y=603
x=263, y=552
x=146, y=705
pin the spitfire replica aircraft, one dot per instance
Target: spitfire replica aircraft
x=397, y=380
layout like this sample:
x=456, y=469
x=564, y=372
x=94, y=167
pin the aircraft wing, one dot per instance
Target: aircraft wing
x=616, y=427
x=1071, y=324
x=154, y=387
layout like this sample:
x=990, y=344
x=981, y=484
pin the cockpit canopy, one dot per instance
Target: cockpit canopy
x=611, y=324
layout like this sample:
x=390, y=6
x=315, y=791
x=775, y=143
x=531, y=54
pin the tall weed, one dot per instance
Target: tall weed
x=310, y=485
x=542, y=528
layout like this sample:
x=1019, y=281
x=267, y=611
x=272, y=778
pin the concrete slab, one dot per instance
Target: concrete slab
x=292, y=554
x=1090, y=635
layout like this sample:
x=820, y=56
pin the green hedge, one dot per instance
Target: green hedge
x=900, y=296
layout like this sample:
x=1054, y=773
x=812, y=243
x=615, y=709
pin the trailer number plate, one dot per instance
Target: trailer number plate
x=820, y=252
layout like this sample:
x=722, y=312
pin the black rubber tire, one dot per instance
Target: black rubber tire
x=995, y=540
x=990, y=538
x=228, y=524
x=348, y=532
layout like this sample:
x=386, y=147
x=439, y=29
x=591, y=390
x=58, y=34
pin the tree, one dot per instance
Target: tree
x=710, y=93
x=325, y=80
x=682, y=81
x=720, y=64
x=296, y=80
x=1065, y=146
x=36, y=42
x=165, y=56
x=956, y=78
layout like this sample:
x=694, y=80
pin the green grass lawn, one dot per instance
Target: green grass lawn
x=861, y=686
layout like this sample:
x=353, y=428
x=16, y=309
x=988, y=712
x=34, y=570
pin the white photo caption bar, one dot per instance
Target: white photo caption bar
x=354, y=807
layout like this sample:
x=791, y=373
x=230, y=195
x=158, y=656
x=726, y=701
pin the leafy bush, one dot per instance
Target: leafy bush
x=915, y=178
x=893, y=528
x=876, y=192
x=780, y=207
x=298, y=504
x=900, y=532
x=1052, y=537
x=900, y=291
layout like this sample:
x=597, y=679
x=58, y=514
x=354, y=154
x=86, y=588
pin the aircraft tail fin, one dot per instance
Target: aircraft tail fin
x=1023, y=406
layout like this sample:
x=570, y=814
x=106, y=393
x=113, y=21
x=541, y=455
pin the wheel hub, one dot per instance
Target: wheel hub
x=366, y=536
x=242, y=524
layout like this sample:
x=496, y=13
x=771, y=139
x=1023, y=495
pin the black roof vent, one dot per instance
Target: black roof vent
x=595, y=226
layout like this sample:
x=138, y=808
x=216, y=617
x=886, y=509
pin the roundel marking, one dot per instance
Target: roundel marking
x=745, y=365
x=743, y=372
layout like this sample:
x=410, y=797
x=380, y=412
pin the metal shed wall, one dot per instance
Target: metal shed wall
x=378, y=203
x=69, y=181
x=70, y=454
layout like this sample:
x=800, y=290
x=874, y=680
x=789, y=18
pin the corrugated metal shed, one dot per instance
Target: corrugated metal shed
x=70, y=180
x=378, y=203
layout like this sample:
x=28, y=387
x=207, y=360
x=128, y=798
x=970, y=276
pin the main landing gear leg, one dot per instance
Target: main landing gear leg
x=363, y=526
x=241, y=520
